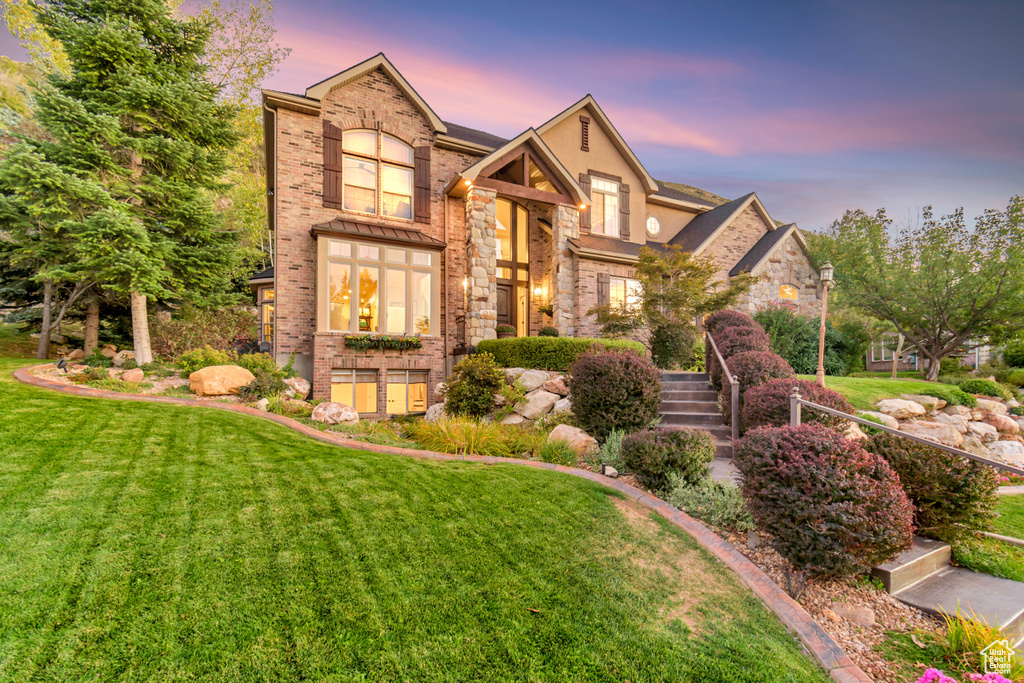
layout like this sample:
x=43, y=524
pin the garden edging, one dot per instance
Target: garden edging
x=829, y=655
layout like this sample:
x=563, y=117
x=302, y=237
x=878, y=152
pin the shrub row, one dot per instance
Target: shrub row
x=549, y=353
x=985, y=387
x=767, y=405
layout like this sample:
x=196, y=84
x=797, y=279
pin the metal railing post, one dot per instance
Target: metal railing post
x=735, y=410
x=794, y=408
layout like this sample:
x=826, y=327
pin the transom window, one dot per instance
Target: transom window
x=380, y=288
x=604, y=214
x=377, y=170
x=623, y=292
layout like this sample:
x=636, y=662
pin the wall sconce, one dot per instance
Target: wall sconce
x=537, y=291
x=465, y=283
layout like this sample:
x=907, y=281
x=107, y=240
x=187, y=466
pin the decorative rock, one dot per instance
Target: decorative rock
x=900, y=408
x=121, y=356
x=217, y=380
x=862, y=616
x=262, y=405
x=753, y=540
x=536, y=403
x=512, y=374
x=513, y=419
x=929, y=402
x=610, y=471
x=77, y=354
x=133, y=375
x=831, y=615
x=108, y=352
x=983, y=431
x=581, y=442
x=299, y=385
x=890, y=422
x=1020, y=421
x=333, y=413
x=532, y=379
x=562, y=406
x=972, y=444
x=434, y=412
x=958, y=422
x=854, y=432
x=991, y=406
x=1003, y=423
x=556, y=386
x=962, y=411
x=1010, y=452
x=110, y=347
x=1012, y=403
x=934, y=431
x=440, y=389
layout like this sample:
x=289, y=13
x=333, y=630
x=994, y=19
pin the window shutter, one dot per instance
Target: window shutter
x=604, y=289
x=585, y=141
x=624, y=211
x=421, y=180
x=585, y=213
x=332, y=166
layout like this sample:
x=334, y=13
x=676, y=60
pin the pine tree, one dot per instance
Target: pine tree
x=138, y=117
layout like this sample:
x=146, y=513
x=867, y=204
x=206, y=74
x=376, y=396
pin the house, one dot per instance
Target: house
x=389, y=220
x=880, y=355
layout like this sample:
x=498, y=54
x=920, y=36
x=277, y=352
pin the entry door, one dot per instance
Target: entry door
x=504, y=304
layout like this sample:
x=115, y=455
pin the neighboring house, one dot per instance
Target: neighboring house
x=879, y=357
x=389, y=220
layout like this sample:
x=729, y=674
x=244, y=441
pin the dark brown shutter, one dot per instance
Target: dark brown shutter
x=624, y=211
x=585, y=141
x=332, y=166
x=604, y=289
x=422, y=182
x=585, y=213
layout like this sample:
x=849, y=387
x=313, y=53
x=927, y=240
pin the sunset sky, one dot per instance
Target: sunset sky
x=819, y=107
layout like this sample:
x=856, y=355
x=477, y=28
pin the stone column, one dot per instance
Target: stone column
x=565, y=225
x=481, y=264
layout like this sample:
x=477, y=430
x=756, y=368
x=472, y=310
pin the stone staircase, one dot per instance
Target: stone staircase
x=923, y=577
x=688, y=400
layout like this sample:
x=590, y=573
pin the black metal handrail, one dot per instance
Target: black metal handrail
x=733, y=384
x=796, y=402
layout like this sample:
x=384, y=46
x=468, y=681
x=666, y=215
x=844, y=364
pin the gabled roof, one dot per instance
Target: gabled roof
x=319, y=90
x=765, y=246
x=262, y=277
x=527, y=137
x=703, y=229
x=602, y=119
x=477, y=137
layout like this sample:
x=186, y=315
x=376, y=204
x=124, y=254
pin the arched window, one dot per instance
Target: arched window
x=377, y=169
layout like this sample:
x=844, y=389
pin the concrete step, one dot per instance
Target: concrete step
x=685, y=386
x=692, y=419
x=690, y=406
x=723, y=470
x=684, y=376
x=723, y=449
x=700, y=395
x=924, y=558
x=995, y=600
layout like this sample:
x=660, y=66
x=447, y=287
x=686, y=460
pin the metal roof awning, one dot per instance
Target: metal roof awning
x=377, y=233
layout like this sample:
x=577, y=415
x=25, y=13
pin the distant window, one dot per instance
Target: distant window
x=653, y=226
x=605, y=211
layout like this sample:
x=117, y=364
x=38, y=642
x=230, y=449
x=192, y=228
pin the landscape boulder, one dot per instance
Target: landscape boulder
x=958, y=422
x=512, y=374
x=536, y=404
x=890, y=422
x=857, y=614
x=333, y=413
x=962, y=411
x=935, y=431
x=972, y=444
x=532, y=379
x=513, y=419
x=581, y=442
x=263, y=404
x=133, y=375
x=434, y=412
x=991, y=406
x=929, y=402
x=854, y=432
x=562, y=406
x=121, y=356
x=217, y=380
x=108, y=352
x=77, y=354
x=1010, y=452
x=299, y=386
x=1004, y=423
x=983, y=431
x=901, y=409
x=556, y=385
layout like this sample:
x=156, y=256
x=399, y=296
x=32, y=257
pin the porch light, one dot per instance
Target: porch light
x=582, y=207
x=465, y=283
x=469, y=183
x=537, y=291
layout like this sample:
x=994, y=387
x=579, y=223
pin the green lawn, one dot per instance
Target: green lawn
x=863, y=393
x=1011, y=516
x=146, y=542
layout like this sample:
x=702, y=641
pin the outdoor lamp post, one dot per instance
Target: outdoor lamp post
x=826, y=281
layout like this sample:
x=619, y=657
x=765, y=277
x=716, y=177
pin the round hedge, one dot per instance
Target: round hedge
x=751, y=369
x=767, y=405
x=719, y=320
x=653, y=455
x=830, y=507
x=734, y=340
x=614, y=391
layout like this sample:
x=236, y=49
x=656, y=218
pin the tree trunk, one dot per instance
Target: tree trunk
x=896, y=356
x=92, y=327
x=934, y=365
x=140, y=329
x=43, y=351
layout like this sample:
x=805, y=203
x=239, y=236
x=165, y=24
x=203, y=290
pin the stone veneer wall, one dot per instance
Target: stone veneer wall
x=733, y=243
x=565, y=225
x=787, y=264
x=541, y=266
x=482, y=303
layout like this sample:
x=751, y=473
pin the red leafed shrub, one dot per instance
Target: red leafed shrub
x=720, y=320
x=767, y=405
x=655, y=454
x=831, y=507
x=951, y=495
x=734, y=340
x=751, y=369
x=614, y=391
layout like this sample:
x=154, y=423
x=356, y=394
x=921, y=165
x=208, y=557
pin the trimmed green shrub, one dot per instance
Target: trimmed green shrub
x=751, y=369
x=711, y=502
x=549, y=353
x=259, y=361
x=655, y=454
x=471, y=388
x=954, y=396
x=719, y=320
x=558, y=452
x=196, y=359
x=985, y=387
x=1015, y=377
x=951, y=494
x=264, y=385
x=672, y=346
x=831, y=507
x=614, y=391
x=505, y=329
x=767, y=405
x=548, y=332
x=1013, y=353
x=611, y=449
x=795, y=337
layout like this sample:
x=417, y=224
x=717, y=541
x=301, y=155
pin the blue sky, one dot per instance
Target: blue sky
x=819, y=107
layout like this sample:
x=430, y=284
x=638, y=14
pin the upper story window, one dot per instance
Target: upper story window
x=653, y=226
x=377, y=174
x=604, y=217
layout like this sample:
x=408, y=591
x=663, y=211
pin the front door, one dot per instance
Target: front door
x=504, y=304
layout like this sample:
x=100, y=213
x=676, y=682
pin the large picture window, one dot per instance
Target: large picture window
x=380, y=289
x=378, y=174
x=407, y=391
x=356, y=389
